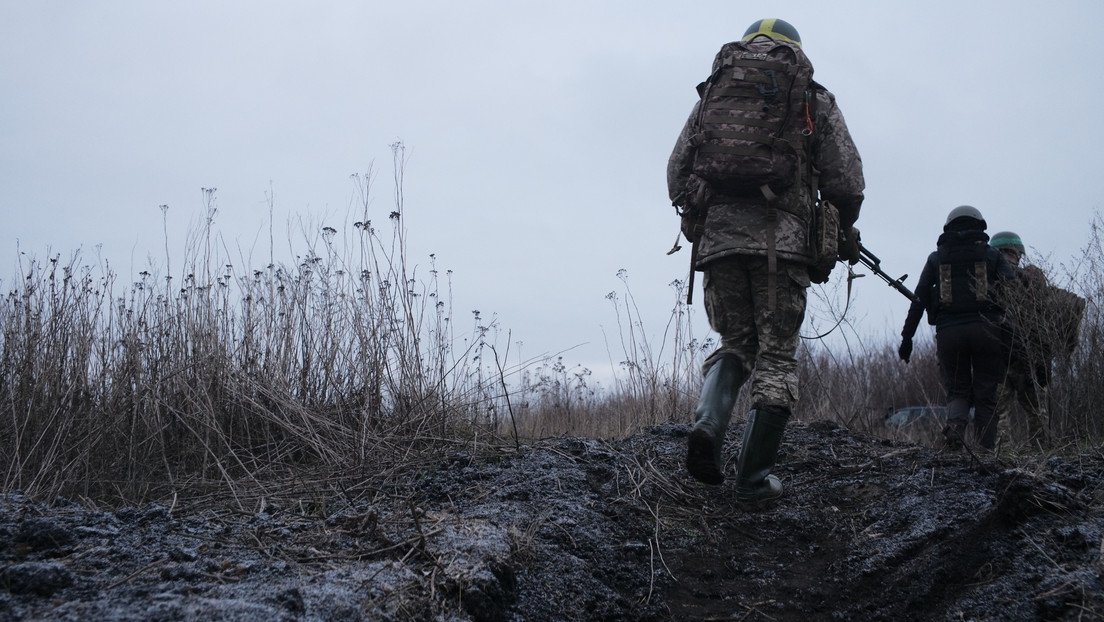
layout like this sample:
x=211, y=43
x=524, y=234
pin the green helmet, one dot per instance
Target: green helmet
x=1007, y=239
x=775, y=29
x=965, y=211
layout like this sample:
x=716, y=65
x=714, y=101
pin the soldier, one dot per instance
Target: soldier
x=752, y=240
x=957, y=288
x=1044, y=320
x=1026, y=379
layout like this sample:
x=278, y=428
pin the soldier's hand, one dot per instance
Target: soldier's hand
x=905, y=351
x=849, y=246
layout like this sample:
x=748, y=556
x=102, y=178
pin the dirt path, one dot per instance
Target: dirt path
x=572, y=529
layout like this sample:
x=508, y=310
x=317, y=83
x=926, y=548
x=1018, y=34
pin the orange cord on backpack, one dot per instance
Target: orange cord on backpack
x=808, y=119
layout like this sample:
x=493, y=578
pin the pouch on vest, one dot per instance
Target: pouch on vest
x=964, y=279
x=825, y=243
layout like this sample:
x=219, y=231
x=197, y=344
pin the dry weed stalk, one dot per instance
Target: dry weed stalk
x=345, y=361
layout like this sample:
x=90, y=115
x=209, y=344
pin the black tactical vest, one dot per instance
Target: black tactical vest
x=965, y=279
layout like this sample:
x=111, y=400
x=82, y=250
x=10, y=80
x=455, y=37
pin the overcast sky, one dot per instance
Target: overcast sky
x=537, y=136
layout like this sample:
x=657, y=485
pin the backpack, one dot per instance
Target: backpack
x=1046, y=318
x=753, y=118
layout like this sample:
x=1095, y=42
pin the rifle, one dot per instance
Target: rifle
x=684, y=207
x=693, y=260
x=869, y=260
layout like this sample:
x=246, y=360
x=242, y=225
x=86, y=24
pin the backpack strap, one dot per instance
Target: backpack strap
x=772, y=214
x=809, y=132
x=772, y=240
x=812, y=174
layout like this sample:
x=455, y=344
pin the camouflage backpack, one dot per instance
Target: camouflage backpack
x=1046, y=318
x=753, y=118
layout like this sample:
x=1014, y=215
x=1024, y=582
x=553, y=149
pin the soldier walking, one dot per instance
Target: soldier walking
x=958, y=289
x=1044, y=320
x=1028, y=366
x=761, y=147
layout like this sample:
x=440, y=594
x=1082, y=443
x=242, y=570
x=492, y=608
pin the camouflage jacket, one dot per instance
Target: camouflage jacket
x=741, y=225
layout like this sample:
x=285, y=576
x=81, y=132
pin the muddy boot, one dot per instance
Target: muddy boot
x=718, y=396
x=762, y=437
x=958, y=414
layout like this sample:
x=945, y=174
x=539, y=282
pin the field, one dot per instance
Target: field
x=314, y=442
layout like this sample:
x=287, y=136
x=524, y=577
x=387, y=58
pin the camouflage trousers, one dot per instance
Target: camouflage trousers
x=1019, y=385
x=764, y=339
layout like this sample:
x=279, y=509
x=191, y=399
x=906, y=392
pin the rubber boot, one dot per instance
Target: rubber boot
x=762, y=437
x=718, y=397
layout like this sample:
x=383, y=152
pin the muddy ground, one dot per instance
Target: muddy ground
x=572, y=529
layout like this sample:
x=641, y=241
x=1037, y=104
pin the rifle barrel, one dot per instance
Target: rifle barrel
x=874, y=264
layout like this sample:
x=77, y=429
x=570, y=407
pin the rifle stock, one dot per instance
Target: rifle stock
x=872, y=262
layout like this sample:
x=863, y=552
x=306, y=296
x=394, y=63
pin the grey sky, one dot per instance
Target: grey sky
x=537, y=136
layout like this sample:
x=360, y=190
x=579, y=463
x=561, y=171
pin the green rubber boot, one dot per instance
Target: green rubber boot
x=718, y=397
x=762, y=436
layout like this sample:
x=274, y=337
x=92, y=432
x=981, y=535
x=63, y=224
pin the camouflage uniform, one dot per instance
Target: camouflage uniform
x=1044, y=320
x=756, y=248
x=1028, y=366
x=735, y=248
x=1021, y=385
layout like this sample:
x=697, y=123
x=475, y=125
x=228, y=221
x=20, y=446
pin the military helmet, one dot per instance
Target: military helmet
x=965, y=211
x=775, y=29
x=1007, y=239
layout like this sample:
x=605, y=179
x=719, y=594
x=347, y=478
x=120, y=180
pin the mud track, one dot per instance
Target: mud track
x=574, y=529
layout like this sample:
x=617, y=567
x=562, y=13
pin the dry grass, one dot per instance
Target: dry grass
x=344, y=361
x=233, y=378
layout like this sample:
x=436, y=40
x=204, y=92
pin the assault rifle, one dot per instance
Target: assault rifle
x=869, y=260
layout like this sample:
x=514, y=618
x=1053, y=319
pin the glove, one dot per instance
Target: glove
x=905, y=351
x=849, y=245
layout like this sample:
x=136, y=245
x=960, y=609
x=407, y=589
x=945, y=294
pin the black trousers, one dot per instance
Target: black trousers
x=973, y=359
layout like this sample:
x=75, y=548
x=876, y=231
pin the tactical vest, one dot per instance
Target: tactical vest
x=964, y=279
